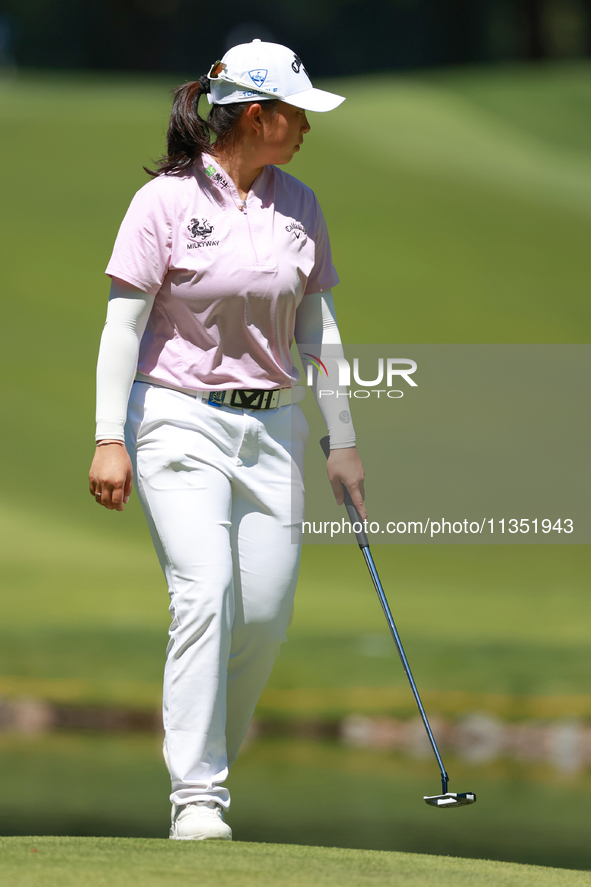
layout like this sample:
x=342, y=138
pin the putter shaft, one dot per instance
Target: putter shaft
x=363, y=543
x=392, y=626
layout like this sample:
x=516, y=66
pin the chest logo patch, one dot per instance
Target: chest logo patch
x=200, y=229
x=215, y=176
x=297, y=229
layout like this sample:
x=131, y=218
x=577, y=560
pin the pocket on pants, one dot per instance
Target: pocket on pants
x=153, y=436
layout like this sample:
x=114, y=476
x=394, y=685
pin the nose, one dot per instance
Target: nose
x=304, y=125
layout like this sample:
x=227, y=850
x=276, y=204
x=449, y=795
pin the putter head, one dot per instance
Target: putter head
x=450, y=799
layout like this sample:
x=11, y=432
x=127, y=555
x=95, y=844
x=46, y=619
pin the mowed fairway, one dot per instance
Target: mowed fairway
x=94, y=862
x=459, y=205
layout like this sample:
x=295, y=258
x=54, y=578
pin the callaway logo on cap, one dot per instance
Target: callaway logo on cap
x=260, y=71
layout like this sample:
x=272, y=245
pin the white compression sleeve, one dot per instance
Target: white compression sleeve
x=316, y=328
x=127, y=316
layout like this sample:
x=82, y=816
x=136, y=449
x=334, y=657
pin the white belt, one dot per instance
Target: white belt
x=247, y=399
x=253, y=399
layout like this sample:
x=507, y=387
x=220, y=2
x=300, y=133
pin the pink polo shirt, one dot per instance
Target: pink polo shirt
x=227, y=282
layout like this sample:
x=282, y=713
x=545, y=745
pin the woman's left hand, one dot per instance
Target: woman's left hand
x=345, y=467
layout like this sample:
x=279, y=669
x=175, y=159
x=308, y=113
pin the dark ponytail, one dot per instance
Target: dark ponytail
x=189, y=135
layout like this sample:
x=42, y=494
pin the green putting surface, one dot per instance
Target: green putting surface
x=299, y=791
x=94, y=862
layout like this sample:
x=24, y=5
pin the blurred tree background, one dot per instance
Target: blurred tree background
x=334, y=37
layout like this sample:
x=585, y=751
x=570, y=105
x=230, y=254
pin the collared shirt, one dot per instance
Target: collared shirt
x=227, y=280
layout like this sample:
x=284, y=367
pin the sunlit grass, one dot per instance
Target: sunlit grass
x=458, y=204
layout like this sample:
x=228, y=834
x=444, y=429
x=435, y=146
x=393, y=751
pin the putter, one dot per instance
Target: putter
x=446, y=798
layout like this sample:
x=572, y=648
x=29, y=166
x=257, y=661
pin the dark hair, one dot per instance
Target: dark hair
x=189, y=135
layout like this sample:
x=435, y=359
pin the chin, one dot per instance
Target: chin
x=283, y=161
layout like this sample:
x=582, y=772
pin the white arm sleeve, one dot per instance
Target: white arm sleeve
x=316, y=329
x=127, y=316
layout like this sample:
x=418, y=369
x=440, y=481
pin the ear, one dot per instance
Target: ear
x=253, y=117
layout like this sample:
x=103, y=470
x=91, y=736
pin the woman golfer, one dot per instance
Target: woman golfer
x=221, y=260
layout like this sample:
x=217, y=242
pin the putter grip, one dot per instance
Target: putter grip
x=354, y=515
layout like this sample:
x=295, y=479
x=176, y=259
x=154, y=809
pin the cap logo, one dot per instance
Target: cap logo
x=258, y=76
x=297, y=64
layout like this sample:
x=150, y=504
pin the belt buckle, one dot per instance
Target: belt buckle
x=216, y=398
x=247, y=399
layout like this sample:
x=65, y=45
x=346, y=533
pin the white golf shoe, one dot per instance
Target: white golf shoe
x=202, y=821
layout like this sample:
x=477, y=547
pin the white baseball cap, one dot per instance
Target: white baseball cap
x=261, y=71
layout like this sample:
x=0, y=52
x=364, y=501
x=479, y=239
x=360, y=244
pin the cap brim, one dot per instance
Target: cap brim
x=315, y=100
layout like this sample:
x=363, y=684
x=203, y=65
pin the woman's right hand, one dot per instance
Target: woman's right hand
x=111, y=476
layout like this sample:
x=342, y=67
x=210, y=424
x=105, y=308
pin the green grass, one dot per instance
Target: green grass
x=298, y=791
x=60, y=862
x=314, y=661
x=67, y=574
x=459, y=206
x=85, y=607
x=455, y=222
x=459, y=209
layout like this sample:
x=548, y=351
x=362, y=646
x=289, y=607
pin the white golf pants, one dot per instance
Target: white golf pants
x=222, y=489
